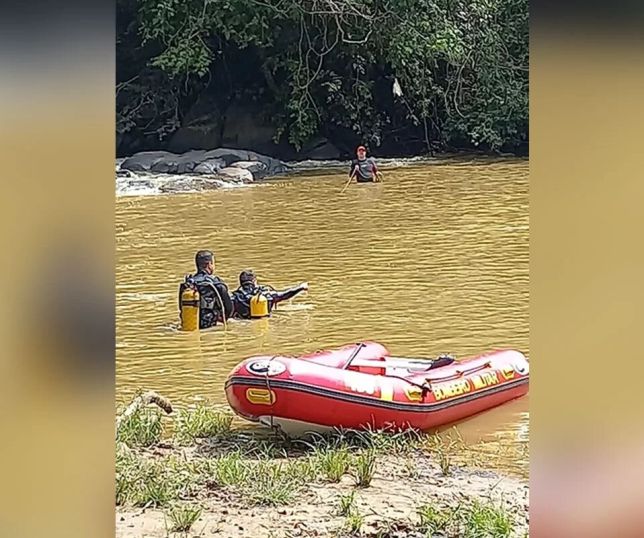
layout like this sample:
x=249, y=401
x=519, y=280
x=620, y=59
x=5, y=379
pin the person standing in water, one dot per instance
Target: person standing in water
x=364, y=168
x=249, y=289
x=215, y=303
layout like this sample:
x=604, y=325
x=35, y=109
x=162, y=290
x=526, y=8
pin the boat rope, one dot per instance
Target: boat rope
x=270, y=393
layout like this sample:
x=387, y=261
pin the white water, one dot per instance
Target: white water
x=146, y=184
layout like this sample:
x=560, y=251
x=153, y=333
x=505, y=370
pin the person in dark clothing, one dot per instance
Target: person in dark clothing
x=248, y=289
x=215, y=303
x=364, y=168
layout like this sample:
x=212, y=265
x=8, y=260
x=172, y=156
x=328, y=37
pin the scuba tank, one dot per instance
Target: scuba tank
x=259, y=306
x=189, y=306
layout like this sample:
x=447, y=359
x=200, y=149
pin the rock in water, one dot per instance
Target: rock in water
x=143, y=161
x=210, y=166
x=187, y=162
x=204, y=162
x=257, y=168
x=236, y=174
x=230, y=156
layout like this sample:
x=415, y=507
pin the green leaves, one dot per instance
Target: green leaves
x=463, y=64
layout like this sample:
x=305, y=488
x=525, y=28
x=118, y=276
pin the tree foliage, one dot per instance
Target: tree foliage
x=328, y=66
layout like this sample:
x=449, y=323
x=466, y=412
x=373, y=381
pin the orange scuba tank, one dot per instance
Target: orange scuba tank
x=259, y=306
x=189, y=307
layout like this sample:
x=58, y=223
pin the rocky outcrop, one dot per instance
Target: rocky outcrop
x=231, y=163
x=319, y=149
x=237, y=174
x=210, y=166
x=143, y=161
x=258, y=169
x=178, y=164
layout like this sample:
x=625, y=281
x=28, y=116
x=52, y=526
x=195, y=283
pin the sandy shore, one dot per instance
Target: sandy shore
x=402, y=484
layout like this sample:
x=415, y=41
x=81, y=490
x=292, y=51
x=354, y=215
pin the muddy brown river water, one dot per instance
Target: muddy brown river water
x=432, y=260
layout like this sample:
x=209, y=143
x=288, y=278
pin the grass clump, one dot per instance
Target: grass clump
x=390, y=442
x=475, y=520
x=231, y=470
x=263, y=482
x=127, y=470
x=365, y=467
x=183, y=516
x=486, y=520
x=303, y=470
x=272, y=485
x=346, y=503
x=411, y=469
x=145, y=482
x=201, y=422
x=353, y=522
x=442, y=449
x=142, y=428
x=333, y=462
x=433, y=520
x=154, y=486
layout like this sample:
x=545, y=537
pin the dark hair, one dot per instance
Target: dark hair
x=203, y=258
x=246, y=276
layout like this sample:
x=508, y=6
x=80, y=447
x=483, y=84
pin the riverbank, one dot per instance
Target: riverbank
x=192, y=474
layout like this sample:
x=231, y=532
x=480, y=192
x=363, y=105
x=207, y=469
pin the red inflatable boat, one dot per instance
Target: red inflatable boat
x=362, y=386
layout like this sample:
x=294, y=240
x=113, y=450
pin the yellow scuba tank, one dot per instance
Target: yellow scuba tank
x=189, y=309
x=259, y=306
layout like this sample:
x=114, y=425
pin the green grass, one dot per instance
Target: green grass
x=433, y=520
x=381, y=441
x=388, y=442
x=154, y=486
x=263, y=482
x=274, y=471
x=143, y=481
x=365, y=467
x=271, y=485
x=183, y=516
x=411, y=469
x=127, y=468
x=142, y=428
x=201, y=422
x=346, y=503
x=442, y=448
x=472, y=520
x=486, y=520
x=353, y=523
x=303, y=470
x=231, y=470
x=333, y=463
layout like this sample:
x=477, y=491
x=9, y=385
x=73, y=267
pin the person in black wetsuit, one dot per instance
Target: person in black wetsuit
x=364, y=168
x=248, y=288
x=215, y=303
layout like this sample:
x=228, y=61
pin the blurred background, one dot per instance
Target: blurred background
x=586, y=197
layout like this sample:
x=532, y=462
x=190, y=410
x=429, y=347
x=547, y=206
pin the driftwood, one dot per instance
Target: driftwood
x=146, y=398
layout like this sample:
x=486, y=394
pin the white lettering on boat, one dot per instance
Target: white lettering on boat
x=486, y=379
x=449, y=390
x=360, y=383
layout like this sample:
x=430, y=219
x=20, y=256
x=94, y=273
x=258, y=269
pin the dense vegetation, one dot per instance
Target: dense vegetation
x=328, y=68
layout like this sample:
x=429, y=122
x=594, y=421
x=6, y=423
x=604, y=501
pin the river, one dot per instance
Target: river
x=434, y=259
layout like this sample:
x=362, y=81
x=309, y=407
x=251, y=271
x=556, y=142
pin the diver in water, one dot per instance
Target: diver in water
x=214, y=299
x=253, y=301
